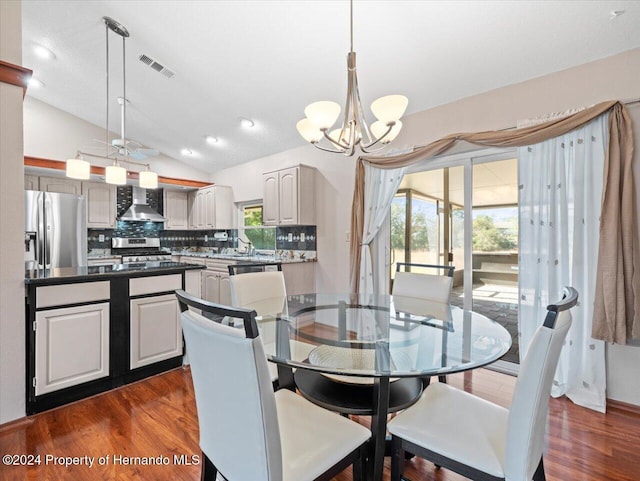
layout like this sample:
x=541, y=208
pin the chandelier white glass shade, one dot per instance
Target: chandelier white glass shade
x=78, y=168
x=115, y=174
x=354, y=132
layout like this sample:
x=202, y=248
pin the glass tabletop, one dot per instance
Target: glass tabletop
x=353, y=337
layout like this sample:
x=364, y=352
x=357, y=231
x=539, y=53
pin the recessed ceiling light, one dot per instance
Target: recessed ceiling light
x=43, y=52
x=35, y=83
x=211, y=139
x=246, y=123
x=186, y=152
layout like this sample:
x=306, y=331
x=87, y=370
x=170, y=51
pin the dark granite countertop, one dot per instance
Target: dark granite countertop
x=91, y=273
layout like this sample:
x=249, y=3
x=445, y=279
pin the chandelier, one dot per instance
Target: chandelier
x=354, y=132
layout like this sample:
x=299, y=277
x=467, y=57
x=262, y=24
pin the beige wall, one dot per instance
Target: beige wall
x=12, y=365
x=51, y=133
x=610, y=78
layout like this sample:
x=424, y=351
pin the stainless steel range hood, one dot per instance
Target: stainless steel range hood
x=141, y=211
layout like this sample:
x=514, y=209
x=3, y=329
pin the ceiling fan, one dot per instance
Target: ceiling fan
x=130, y=148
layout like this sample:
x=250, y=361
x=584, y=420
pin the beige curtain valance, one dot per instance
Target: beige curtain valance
x=617, y=303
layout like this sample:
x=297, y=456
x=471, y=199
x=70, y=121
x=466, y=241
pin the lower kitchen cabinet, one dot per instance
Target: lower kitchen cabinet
x=71, y=346
x=215, y=281
x=211, y=286
x=225, y=290
x=90, y=333
x=156, y=332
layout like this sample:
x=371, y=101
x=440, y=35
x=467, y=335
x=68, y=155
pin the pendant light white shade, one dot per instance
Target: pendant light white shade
x=148, y=180
x=114, y=174
x=389, y=108
x=309, y=131
x=78, y=169
x=379, y=128
x=323, y=113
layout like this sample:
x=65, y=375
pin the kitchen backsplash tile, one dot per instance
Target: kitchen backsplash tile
x=297, y=238
x=169, y=239
x=182, y=239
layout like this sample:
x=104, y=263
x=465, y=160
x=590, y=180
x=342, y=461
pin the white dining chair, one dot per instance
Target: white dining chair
x=266, y=293
x=248, y=431
x=432, y=288
x=479, y=439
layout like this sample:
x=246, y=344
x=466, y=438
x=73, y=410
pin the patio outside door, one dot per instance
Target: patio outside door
x=465, y=215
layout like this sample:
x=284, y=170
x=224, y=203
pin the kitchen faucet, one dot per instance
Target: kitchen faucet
x=250, y=250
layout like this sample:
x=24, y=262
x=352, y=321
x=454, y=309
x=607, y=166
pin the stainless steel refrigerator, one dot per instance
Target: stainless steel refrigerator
x=55, y=230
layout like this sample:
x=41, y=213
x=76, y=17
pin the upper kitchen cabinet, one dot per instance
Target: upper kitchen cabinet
x=30, y=182
x=289, y=196
x=60, y=184
x=101, y=204
x=176, y=210
x=211, y=208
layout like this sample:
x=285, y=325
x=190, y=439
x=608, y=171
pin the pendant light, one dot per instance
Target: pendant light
x=78, y=168
x=116, y=174
x=148, y=179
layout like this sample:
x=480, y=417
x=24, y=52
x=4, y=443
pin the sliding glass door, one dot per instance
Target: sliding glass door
x=465, y=215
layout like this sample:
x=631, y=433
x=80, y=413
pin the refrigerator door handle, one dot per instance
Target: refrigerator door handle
x=48, y=231
x=40, y=234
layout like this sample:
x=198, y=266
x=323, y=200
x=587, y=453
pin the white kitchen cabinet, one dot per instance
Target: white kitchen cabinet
x=211, y=208
x=299, y=277
x=176, y=210
x=225, y=290
x=270, y=199
x=211, y=286
x=192, y=283
x=101, y=204
x=156, y=331
x=196, y=209
x=71, y=346
x=60, y=184
x=30, y=182
x=215, y=285
x=289, y=196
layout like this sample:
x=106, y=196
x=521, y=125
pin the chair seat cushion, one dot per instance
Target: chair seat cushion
x=457, y=425
x=313, y=439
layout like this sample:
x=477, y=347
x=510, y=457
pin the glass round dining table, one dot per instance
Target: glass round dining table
x=373, y=355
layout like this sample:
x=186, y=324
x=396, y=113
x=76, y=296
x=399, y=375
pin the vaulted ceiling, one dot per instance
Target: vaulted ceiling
x=266, y=60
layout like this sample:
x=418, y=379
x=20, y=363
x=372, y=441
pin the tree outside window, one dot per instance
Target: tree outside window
x=262, y=237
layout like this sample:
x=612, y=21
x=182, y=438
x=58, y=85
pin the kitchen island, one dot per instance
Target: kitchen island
x=91, y=329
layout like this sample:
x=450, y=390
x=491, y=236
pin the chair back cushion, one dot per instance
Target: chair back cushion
x=530, y=403
x=235, y=400
x=264, y=292
x=423, y=286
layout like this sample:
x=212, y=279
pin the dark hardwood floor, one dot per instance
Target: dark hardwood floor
x=155, y=419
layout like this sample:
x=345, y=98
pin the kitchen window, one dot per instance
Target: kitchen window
x=262, y=237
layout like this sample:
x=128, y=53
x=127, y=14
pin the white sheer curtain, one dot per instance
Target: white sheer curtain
x=380, y=187
x=560, y=203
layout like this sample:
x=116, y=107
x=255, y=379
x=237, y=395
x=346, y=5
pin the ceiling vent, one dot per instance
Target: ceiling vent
x=158, y=67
